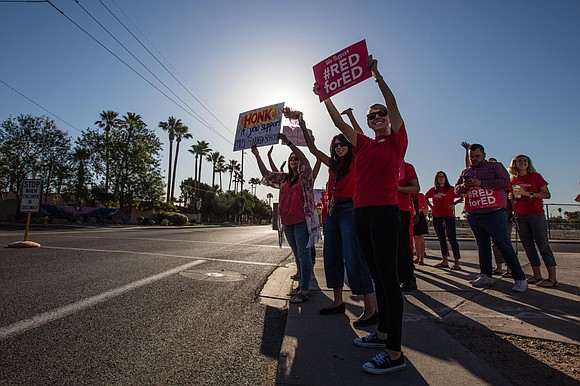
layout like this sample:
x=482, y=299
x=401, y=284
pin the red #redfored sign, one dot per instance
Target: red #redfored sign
x=342, y=70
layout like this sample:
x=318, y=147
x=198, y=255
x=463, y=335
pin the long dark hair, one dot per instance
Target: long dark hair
x=291, y=177
x=339, y=165
x=447, y=184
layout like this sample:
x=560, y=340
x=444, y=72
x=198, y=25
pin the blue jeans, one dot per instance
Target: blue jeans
x=377, y=228
x=341, y=248
x=297, y=236
x=492, y=226
x=451, y=235
x=534, y=229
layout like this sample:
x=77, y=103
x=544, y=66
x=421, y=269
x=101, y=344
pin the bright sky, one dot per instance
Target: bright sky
x=498, y=72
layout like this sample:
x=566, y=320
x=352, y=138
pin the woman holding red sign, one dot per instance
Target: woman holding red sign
x=377, y=216
x=530, y=189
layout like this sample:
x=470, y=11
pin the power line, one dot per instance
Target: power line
x=131, y=68
x=24, y=96
x=158, y=61
x=199, y=118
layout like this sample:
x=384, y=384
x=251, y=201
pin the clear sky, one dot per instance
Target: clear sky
x=503, y=73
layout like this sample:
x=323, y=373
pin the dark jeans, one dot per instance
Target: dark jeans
x=492, y=226
x=377, y=228
x=342, y=249
x=451, y=235
x=405, y=266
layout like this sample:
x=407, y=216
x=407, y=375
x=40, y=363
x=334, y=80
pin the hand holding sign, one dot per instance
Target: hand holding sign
x=342, y=70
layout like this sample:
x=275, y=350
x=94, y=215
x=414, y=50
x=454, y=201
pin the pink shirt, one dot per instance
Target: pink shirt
x=442, y=199
x=377, y=168
x=531, y=182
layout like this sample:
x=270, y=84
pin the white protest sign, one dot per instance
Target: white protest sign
x=31, y=195
x=259, y=127
x=295, y=135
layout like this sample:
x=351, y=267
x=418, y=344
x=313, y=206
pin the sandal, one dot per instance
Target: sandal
x=547, y=283
x=507, y=275
x=416, y=261
x=456, y=267
x=300, y=297
x=421, y=262
x=535, y=280
x=442, y=265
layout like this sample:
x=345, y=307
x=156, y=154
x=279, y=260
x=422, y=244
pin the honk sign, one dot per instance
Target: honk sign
x=479, y=198
x=342, y=70
x=259, y=127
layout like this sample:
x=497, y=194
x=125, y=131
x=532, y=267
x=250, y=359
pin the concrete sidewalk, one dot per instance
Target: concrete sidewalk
x=319, y=350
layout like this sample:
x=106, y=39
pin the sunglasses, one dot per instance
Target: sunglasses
x=381, y=113
x=292, y=159
x=337, y=144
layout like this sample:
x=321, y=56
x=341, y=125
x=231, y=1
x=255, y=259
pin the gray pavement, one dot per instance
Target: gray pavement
x=319, y=350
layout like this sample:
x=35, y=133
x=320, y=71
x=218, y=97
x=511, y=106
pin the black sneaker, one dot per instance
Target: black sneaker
x=383, y=364
x=411, y=285
x=371, y=340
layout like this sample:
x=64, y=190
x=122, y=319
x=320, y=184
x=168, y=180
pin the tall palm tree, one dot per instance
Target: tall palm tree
x=214, y=157
x=133, y=123
x=220, y=168
x=253, y=183
x=194, y=150
x=181, y=132
x=108, y=120
x=232, y=167
x=169, y=126
x=270, y=196
x=203, y=150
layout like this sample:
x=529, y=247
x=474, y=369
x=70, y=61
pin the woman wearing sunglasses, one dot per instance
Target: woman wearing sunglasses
x=297, y=210
x=341, y=247
x=377, y=217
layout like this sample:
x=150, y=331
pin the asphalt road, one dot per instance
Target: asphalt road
x=139, y=306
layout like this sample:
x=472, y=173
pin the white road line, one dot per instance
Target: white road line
x=49, y=316
x=163, y=255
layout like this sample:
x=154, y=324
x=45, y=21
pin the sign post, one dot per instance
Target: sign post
x=30, y=203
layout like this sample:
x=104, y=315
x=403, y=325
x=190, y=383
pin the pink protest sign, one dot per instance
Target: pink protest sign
x=342, y=70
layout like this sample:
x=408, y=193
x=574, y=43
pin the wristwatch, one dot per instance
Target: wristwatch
x=531, y=194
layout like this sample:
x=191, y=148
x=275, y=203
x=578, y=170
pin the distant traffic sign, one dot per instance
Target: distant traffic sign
x=31, y=195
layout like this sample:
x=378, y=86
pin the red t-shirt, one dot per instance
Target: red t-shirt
x=291, y=204
x=344, y=187
x=406, y=175
x=377, y=168
x=442, y=199
x=531, y=182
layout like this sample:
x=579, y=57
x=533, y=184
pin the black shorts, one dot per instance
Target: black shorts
x=421, y=227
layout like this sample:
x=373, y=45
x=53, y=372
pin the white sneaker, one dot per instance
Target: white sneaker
x=520, y=286
x=482, y=281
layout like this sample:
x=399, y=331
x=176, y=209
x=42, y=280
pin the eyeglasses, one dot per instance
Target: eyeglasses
x=292, y=159
x=337, y=144
x=380, y=113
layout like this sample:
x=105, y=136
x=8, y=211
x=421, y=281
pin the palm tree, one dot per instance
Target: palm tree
x=108, y=120
x=181, y=132
x=220, y=168
x=254, y=182
x=203, y=150
x=133, y=123
x=270, y=196
x=215, y=157
x=169, y=126
x=232, y=167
